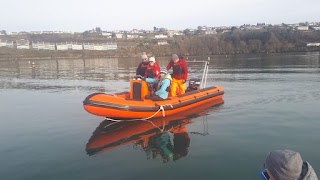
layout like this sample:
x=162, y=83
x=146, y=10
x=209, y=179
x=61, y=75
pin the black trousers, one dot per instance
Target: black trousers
x=156, y=98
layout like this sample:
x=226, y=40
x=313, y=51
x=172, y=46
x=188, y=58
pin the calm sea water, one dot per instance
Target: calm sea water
x=271, y=102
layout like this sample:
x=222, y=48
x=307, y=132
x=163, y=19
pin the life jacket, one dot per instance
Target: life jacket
x=177, y=69
x=142, y=69
x=169, y=87
x=152, y=71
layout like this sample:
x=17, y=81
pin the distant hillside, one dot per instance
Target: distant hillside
x=233, y=42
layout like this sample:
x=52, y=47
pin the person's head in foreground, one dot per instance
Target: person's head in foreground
x=287, y=165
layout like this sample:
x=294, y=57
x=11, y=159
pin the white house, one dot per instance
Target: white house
x=317, y=28
x=47, y=32
x=62, y=46
x=132, y=36
x=43, y=46
x=9, y=44
x=49, y=46
x=88, y=46
x=134, y=31
x=118, y=35
x=111, y=46
x=160, y=36
x=23, y=44
x=37, y=45
x=210, y=32
x=77, y=46
x=35, y=32
x=313, y=44
x=160, y=43
x=303, y=28
x=3, y=43
x=106, y=33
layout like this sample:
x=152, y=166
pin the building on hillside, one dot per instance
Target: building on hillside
x=118, y=35
x=69, y=45
x=47, y=32
x=9, y=44
x=132, y=36
x=44, y=46
x=160, y=36
x=88, y=46
x=316, y=28
x=210, y=31
x=23, y=44
x=12, y=33
x=77, y=46
x=313, y=44
x=106, y=33
x=23, y=33
x=161, y=43
x=111, y=46
x=35, y=32
x=172, y=33
x=6, y=43
x=134, y=31
x=3, y=43
x=226, y=31
x=303, y=28
x=100, y=47
x=190, y=31
x=63, y=46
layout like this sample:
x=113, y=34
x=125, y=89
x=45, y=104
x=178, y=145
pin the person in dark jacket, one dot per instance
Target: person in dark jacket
x=141, y=70
x=287, y=165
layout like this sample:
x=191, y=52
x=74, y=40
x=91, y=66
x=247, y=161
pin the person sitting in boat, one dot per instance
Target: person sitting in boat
x=162, y=86
x=179, y=75
x=142, y=68
x=153, y=69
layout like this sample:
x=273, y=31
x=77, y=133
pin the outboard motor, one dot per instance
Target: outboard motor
x=194, y=84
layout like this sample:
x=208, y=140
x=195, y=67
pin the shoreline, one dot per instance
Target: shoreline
x=93, y=55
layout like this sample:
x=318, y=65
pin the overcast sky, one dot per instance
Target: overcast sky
x=81, y=15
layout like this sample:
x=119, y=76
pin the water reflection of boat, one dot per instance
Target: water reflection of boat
x=153, y=137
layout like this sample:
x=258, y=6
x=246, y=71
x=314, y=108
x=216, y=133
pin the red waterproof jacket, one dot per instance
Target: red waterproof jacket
x=153, y=71
x=180, y=69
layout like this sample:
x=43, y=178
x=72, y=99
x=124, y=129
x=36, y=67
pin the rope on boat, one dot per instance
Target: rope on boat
x=161, y=108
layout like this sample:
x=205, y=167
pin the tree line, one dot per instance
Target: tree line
x=249, y=41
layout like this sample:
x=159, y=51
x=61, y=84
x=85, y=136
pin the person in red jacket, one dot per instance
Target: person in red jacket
x=153, y=69
x=179, y=75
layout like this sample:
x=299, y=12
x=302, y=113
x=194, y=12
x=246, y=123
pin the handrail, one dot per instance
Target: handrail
x=204, y=73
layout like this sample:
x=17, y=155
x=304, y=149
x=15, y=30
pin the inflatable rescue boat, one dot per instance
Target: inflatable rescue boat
x=134, y=105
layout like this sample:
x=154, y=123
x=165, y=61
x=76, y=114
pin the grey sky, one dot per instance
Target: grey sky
x=80, y=15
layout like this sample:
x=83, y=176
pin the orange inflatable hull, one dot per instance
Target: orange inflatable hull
x=106, y=138
x=121, y=106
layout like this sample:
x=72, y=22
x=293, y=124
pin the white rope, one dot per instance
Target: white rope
x=144, y=119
